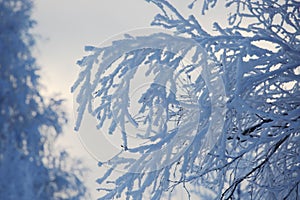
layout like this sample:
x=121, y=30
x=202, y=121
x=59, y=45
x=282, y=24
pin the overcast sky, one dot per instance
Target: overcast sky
x=65, y=27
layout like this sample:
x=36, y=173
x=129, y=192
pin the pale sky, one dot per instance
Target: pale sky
x=65, y=27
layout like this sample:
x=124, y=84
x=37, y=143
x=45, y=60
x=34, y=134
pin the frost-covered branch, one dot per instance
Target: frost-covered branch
x=256, y=57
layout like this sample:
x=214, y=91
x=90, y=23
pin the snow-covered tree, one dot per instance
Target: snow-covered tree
x=29, y=123
x=220, y=113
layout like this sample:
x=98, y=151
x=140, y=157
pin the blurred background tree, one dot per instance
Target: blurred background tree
x=30, y=167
